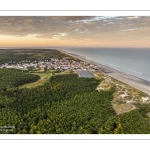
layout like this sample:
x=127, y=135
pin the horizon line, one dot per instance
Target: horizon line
x=57, y=47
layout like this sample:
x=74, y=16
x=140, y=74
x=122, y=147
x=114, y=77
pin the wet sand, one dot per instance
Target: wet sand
x=131, y=80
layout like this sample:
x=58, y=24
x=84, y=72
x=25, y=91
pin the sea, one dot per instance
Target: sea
x=133, y=61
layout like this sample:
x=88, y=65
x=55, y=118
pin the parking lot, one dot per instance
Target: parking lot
x=85, y=74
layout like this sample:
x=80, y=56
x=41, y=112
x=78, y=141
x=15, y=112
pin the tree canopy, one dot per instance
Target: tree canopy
x=66, y=104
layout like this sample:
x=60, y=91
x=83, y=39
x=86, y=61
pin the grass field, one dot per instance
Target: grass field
x=44, y=77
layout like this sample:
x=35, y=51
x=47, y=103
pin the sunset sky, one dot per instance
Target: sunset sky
x=80, y=31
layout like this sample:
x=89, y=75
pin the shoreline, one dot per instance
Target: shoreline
x=133, y=81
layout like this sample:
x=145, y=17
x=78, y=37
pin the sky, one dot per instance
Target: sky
x=75, y=31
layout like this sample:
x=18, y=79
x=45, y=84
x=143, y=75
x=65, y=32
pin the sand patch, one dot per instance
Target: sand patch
x=144, y=99
x=123, y=108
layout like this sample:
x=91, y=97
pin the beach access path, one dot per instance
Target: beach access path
x=138, y=83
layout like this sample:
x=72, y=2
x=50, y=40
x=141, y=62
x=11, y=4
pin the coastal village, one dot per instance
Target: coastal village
x=66, y=63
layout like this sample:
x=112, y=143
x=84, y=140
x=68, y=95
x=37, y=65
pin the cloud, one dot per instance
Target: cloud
x=63, y=34
x=73, y=27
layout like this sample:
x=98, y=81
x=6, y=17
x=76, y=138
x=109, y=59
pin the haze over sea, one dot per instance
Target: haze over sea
x=134, y=61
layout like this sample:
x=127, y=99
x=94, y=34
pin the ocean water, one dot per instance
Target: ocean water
x=134, y=61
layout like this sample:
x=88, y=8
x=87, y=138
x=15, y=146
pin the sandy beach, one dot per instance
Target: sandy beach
x=131, y=80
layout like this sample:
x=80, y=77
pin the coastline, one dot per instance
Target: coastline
x=133, y=81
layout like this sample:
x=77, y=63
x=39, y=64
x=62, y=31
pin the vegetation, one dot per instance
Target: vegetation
x=44, y=77
x=13, y=56
x=67, y=105
x=128, y=123
x=12, y=78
